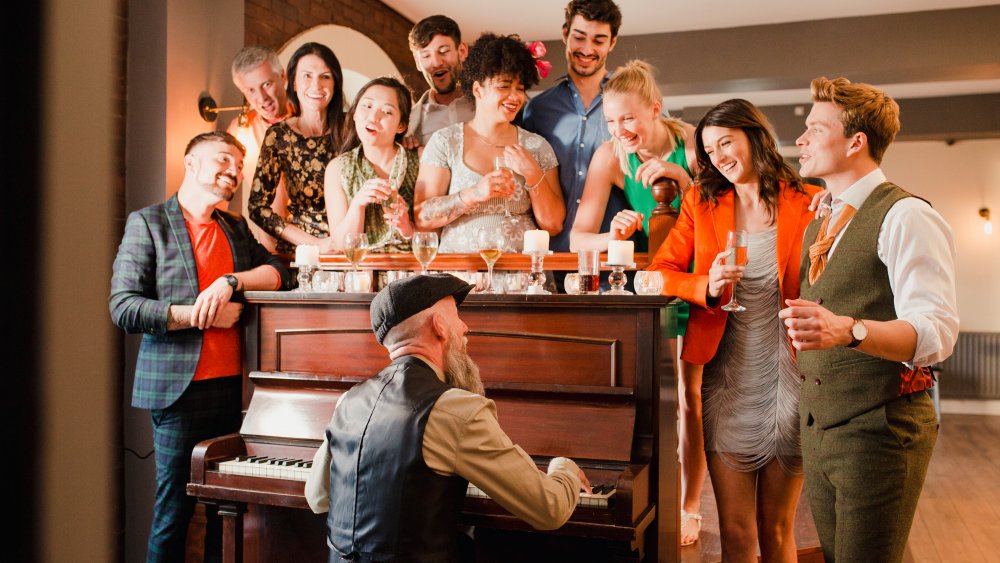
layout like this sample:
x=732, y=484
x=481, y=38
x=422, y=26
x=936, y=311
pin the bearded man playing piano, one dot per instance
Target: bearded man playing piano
x=401, y=447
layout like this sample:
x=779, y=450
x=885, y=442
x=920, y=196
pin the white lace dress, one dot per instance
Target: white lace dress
x=750, y=391
x=445, y=151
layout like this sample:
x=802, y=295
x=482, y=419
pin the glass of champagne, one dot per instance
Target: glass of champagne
x=391, y=206
x=425, y=248
x=500, y=163
x=355, y=248
x=490, y=242
x=736, y=244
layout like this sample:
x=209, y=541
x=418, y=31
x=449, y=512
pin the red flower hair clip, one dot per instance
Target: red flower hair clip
x=537, y=50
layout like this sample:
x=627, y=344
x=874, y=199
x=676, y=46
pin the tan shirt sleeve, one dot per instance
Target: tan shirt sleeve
x=318, y=482
x=463, y=437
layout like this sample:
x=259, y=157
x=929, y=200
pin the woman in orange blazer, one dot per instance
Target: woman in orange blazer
x=749, y=392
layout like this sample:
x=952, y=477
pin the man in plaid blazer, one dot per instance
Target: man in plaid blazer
x=178, y=277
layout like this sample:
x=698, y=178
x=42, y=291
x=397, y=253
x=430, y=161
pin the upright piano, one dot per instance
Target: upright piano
x=587, y=377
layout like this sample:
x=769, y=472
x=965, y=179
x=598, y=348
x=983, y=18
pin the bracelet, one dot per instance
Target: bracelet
x=531, y=189
x=462, y=199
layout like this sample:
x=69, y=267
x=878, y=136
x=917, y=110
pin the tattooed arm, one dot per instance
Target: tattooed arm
x=434, y=207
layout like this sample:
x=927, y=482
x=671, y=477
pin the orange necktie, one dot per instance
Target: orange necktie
x=824, y=240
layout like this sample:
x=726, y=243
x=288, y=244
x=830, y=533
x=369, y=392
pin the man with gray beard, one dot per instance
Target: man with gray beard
x=402, y=446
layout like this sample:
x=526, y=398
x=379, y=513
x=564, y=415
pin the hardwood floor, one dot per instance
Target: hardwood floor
x=958, y=517
x=957, y=520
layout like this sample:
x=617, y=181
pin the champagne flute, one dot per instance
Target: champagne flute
x=500, y=163
x=736, y=244
x=391, y=204
x=425, y=248
x=490, y=242
x=355, y=248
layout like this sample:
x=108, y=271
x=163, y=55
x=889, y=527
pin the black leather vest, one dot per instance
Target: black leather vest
x=385, y=503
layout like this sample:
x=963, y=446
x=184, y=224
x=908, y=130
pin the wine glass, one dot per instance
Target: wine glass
x=500, y=163
x=391, y=205
x=648, y=282
x=736, y=244
x=490, y=243
x=355, y=248
x=425, y=248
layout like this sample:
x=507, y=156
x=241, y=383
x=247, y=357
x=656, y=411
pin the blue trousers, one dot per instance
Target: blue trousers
x=206, y=409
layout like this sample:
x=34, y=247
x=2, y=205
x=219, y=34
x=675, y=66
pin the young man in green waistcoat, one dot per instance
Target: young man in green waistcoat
x=877, y=307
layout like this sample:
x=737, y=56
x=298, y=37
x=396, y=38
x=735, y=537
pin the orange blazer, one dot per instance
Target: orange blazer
x=699, y=235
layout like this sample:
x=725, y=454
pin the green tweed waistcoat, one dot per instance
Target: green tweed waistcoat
x=841, y=383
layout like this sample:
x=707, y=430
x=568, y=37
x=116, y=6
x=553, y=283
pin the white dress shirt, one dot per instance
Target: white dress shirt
x=918, y=249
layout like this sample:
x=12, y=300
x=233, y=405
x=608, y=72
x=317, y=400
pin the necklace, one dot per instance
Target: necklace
x=486, y=141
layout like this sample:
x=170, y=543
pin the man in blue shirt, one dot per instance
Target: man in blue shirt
x=570, y=114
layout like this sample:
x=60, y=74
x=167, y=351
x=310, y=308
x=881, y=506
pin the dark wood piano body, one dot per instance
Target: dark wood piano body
x=588, y=377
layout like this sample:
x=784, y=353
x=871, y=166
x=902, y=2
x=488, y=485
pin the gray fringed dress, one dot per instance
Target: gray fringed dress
x=750, y=392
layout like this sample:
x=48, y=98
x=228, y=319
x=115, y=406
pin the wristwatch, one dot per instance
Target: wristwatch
x=858, y=333
x=233, y=282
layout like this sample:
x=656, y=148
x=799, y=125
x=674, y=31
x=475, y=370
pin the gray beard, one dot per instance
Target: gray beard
x=460, y=371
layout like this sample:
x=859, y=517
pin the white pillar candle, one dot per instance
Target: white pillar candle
x=307, y=255
x=536, y=241
x=620, y=252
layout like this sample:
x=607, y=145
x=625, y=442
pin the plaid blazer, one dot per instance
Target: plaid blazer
x=155, y=268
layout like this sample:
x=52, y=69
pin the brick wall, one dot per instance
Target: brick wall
x=273, y=23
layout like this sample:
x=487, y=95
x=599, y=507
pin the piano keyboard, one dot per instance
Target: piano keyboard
x=598, y=499
x=270, y=467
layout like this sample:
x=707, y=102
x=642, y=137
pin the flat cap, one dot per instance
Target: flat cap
x=406, y=297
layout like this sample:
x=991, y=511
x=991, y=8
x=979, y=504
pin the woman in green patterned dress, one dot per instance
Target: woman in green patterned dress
x=373, y=162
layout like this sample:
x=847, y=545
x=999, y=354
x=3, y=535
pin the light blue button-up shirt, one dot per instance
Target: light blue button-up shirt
x=575, y=133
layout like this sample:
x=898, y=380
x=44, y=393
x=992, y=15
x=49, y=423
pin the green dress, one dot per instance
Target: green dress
x=355, y=170
x=641, y=199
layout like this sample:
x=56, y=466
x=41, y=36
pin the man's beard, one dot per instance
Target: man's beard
x=459, y=369
x=447, y=89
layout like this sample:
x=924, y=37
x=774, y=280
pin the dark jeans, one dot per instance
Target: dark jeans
x=207, y=409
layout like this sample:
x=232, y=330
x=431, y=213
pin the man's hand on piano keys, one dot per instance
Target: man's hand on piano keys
x=585, y=482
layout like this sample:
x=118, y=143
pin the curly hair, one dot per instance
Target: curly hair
x=497, y=55
x=864, y=108
x=403, y=99
x=334, y=111
x=771, y=168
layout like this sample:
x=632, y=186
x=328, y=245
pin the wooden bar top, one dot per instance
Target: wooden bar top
x=557, y=261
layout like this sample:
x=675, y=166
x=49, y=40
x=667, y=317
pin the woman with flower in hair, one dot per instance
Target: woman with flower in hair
x=460, y=189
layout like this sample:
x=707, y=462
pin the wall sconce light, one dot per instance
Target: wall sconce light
x=209, y=111
x=984, y=212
